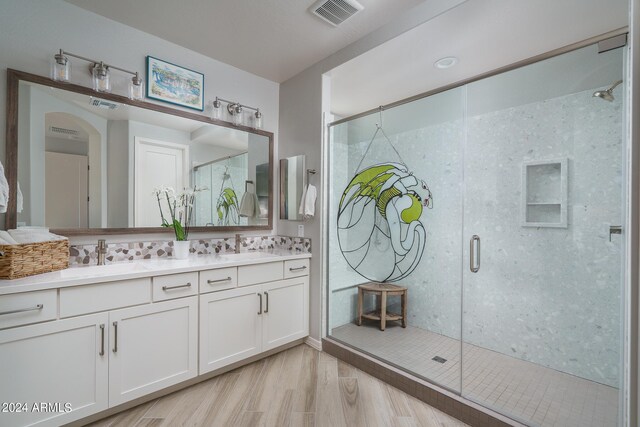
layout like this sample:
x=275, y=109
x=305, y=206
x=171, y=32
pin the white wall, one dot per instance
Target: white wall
x=33, y=31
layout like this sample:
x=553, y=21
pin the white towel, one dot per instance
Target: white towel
x=308, y=203
x=7, y=238
x=4, y=191
x=33, y=235
x=247, y=205
x=19, y=200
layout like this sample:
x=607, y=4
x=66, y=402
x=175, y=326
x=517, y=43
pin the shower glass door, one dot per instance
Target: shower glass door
x=395, y=215
x=542, y=279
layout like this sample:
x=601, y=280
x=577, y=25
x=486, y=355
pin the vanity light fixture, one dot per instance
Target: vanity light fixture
x=235, y=110
x=446, y=62
x=100, y=74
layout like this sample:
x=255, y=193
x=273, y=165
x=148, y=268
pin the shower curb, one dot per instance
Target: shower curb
x=444, y=400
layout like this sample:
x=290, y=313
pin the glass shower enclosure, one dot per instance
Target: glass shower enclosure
x=499, y=205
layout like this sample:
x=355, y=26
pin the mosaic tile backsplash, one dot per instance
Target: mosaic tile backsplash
x=117, y=252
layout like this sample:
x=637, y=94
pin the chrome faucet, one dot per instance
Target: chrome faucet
x=238, y=240
x=102, y=251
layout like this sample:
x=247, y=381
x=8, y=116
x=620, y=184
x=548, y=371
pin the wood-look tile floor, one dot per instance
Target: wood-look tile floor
x=297, y=387
x=533, y=393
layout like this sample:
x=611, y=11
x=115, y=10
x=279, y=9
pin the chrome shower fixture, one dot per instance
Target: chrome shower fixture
x=607, y=95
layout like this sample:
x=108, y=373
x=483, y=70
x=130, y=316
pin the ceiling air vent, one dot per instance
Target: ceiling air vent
x=335, y=12
x=101, y=103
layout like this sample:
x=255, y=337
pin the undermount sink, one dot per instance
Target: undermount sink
x=102, y=270
x=247, y=255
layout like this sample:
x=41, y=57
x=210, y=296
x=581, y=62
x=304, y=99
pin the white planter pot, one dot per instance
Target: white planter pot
x=181, y=249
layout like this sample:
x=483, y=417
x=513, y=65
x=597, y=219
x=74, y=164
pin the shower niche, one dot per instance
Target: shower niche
x=544, y=195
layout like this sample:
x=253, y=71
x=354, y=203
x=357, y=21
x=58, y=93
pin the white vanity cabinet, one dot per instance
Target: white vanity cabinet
x=54, y=363
x=238, y=323
x=82, y=346
x=152, y=347
x=230, y=327
x=285, y=315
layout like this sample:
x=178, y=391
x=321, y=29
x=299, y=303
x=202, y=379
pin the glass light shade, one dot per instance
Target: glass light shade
x=101, y=78
x=257, y=120
x=216, y=110
x=136, y=91
x=61, y=69
x=238, y=116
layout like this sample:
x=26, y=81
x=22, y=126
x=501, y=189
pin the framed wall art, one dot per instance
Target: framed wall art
x=174, y=84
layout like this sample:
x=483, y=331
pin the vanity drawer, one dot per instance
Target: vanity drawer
x=175, y=286
x=296, y=268
x=28, y=307
x=78, y=300
x=217, y=280
x=259, y=273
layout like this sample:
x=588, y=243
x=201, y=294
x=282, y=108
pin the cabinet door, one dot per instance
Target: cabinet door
x=230, y=326
x=152, y=347
x=286, y=316
x=58, y=365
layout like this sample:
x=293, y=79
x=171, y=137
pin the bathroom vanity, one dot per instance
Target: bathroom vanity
x=83, y=340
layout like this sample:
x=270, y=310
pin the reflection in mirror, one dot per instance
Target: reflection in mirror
x=87, y=162
x=292, y=174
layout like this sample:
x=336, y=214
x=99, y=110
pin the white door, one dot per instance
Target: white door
x=152, y=347
x=286, y=312
x=230, y=327
x=157, y=163
x=66, y=190
x=57, y=363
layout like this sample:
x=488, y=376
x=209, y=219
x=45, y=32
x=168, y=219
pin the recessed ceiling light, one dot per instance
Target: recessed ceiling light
x=446, y=62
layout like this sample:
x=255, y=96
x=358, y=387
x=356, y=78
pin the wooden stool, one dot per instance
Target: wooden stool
x=383, y=290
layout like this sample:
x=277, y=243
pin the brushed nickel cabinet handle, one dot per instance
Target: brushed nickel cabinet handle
x=169, y=288
x=260, y=296
x=22, y=310
x=115, y=337
x=212, y=282
x=266, y=294
x=102, y=340
x=298, y=268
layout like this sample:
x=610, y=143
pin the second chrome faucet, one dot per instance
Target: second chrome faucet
x=102, y=251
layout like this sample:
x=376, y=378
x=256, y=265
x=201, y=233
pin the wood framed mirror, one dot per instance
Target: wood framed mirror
x=86, y=162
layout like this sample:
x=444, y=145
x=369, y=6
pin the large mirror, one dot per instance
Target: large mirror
x=82, y=162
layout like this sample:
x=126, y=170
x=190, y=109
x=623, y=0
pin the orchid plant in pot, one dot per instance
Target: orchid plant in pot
x=180, y=208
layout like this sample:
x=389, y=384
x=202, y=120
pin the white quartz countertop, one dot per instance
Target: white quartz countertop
x=90, y=274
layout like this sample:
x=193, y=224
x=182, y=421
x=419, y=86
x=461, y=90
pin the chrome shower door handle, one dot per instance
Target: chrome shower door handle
x=474, y=260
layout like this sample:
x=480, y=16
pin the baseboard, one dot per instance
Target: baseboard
x=312, y=342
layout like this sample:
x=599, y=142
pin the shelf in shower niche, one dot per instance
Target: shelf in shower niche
x=544, y=193
x=543, y=204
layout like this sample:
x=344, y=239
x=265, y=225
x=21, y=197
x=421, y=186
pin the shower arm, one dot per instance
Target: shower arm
x=615, y=85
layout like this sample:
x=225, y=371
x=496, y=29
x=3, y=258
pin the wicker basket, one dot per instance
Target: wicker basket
x=28, y=259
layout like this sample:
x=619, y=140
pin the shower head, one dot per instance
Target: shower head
x=607, y=95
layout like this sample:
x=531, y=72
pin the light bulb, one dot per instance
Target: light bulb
x=237, y=116
x=257, y=120
x=136, y=88
x=61, y=67
x=216, y=110
x=101, y=78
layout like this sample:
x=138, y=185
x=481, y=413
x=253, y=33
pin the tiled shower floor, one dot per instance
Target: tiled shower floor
x=532, y=393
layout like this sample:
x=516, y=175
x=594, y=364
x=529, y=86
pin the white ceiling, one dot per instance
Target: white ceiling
x=275, y=39
x=483, y=34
